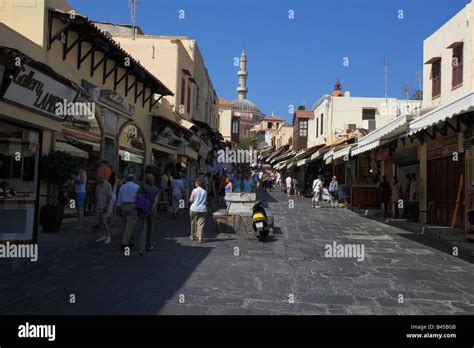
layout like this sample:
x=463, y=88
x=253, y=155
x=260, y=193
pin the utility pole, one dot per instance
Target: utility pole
x=406, y=90
x=386, y=77
x=133, y=5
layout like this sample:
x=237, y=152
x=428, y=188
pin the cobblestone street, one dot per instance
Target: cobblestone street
x=289, y=274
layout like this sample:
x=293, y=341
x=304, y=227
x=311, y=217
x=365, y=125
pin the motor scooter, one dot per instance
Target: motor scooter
x=260, y=221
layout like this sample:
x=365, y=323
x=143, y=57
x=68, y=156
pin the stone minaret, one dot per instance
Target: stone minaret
x=242, y=74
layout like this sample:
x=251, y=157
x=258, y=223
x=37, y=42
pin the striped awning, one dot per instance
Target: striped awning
x=365, y=148
x=344, y=151
x=444, y=112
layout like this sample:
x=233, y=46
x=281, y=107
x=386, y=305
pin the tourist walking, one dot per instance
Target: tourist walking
x=126, y=202
x=177, y=192
x=384, y=193
x=198, y=211
x=295, y=187
x=288, y=182
x=395, y=197
x=334, y=192
x=80, y=183
x=278, y=180
x=144, y=226
x=223, y=184
x=104, y=169
x=413, y=199
x=237, y=183
x=228, y=189
x=317, y=189
x=103, y=196
x=247, y=184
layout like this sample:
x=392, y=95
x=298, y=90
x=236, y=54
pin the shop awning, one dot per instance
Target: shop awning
x=442, y=113
x=395, y=127
x=131, y=157
x=277, y=152
x=95, y=146
x=162, y=148
x=74, y=151
x=365, y=148
x=301, y=162
x=289, y=153
x=318, y=154
x=342, y=152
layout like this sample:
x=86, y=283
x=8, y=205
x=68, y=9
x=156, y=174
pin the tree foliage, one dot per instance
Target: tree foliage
x=247, y=141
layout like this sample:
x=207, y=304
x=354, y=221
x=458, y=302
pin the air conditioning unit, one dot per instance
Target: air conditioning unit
x=351, y=126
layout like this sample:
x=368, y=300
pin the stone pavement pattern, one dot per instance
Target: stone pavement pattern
x=182, y=277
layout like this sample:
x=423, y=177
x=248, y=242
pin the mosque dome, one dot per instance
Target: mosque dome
x=245, y=105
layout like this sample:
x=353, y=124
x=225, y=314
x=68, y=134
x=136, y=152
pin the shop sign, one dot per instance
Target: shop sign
x=406, y=156
x=442, y=147
x=168, y=137
x=39, y=92
x=113, y=100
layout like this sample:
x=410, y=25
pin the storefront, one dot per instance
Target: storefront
x=131, y=152
x=28, y=117
x=445, y=186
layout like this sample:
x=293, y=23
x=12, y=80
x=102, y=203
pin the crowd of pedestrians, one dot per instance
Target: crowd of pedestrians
x=138, y=203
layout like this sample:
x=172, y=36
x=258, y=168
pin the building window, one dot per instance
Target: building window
x=457, y=65
x=436, y=78
x=270, y=125
x=322, y=119
x=303, y=128
x=235, y=127
x=246, y=132
x=317, y=127
x=183, y=90
x=188, y=104
x=368, y=114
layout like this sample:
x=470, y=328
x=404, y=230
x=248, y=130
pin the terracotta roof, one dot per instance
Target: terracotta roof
x=273, y=118
x=224, y=102
x=304, y=113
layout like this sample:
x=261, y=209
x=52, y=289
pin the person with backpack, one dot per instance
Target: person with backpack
x=334, y=192
x=317, y=189
x=145, y=204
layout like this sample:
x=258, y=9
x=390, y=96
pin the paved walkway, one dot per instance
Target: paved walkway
x=235, y=274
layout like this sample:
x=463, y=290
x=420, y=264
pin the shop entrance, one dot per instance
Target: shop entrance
x=444, y=180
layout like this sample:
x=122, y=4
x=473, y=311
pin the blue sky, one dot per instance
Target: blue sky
x=291, y=61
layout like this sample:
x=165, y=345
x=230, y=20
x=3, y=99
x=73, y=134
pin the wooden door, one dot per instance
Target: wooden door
x=444, y=176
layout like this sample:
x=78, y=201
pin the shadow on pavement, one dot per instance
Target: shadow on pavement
x=105, y=281
x=440, y=245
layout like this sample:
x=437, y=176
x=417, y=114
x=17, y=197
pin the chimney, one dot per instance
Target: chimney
x=347, y=94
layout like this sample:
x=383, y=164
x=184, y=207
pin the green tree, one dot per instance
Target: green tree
x=245, y=142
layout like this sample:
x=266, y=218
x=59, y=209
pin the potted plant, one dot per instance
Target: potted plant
x=56, y=169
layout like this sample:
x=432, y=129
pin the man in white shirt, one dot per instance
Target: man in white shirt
x=126, y=201
x=317, y=189
x=288, y=185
